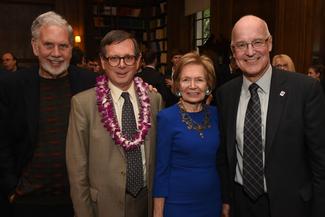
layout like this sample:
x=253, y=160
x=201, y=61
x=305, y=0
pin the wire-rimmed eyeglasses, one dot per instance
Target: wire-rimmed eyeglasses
x=258, y=43
x=114, y=61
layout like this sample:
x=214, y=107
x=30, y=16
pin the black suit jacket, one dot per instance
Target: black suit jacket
x=19, y=111
x=3, y=72
x=172, y=98
x=225, y=72
x=4, y=202
x=156, y=79
x=294, y=146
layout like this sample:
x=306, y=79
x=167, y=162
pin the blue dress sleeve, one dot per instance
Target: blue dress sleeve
x=164, y=145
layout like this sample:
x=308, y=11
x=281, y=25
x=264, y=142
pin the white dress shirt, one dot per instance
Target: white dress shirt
x=263, y=92
x=118, y=104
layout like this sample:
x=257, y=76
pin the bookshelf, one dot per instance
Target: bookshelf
x=158, y=32
x=109, y=15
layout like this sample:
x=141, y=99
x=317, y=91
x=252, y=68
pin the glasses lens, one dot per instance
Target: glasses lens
x=241, y=46
x=129, y=60
x=113, y=61
x=258, y=43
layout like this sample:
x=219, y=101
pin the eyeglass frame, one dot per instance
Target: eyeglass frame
x=279, y=66
x=119, y=60
x=251, y=43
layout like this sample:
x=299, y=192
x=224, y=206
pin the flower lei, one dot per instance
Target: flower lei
x=106, y=107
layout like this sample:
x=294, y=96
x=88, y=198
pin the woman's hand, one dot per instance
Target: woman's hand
x=225, y=210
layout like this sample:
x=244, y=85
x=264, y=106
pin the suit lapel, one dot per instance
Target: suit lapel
x=31, y=97
x=75, y=82
x=233, y=101
x=275, y=107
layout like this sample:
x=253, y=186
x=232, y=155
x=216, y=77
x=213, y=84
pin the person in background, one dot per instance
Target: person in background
x=214, y=58
x=111, y=142
x=271, y=159
x=34, y=114
x=316, y=72
x=90, y=64
x=283, y=61
x=97, y=66
x=228, y=70
x=176, y=55
x=151, y=76
x=186, y=180
x=77, y=58
x=10, y=62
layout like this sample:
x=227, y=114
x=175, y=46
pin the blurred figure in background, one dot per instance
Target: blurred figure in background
x=77, y=58
x=9, y=61
x=317, y=72
x=283, y=61
x=228, y=70
x=176, y=55
x=214, y=58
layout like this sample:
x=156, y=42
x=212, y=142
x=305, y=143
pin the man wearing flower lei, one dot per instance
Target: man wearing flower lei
x=111, y=141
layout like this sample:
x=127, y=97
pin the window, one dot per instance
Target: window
x=201, y=28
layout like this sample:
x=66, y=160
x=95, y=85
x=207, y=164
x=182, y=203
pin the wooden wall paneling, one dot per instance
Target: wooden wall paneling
x=73, y=11
x=308, y=37
x=89, y=33
x=178, y=32
x=15, y=20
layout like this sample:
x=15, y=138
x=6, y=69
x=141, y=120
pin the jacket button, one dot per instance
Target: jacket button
x=121, y=201
x=123, y=173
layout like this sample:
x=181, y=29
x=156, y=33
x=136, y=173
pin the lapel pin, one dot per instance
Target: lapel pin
x=282, y=93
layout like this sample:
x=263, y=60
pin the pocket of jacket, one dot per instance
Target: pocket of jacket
x=93, y=195
x=307, y=191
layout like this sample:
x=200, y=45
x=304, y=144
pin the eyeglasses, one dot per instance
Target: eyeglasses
x=258, y=43
x=114, y=61
x=285, y=66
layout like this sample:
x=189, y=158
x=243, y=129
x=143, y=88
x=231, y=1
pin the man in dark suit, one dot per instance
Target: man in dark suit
x=151, y=76
x=34, y=114
x=176, y=56
x=4, y=202
x=228, y=70
x=284, y=175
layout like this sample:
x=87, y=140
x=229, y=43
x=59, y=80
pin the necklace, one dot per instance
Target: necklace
x=192, y=124
x=106, y=107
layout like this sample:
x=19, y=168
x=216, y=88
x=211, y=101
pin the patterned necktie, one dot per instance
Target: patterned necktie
x=134, y=168
x=253, y=158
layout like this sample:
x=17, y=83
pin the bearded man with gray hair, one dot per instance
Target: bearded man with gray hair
x=34, y=114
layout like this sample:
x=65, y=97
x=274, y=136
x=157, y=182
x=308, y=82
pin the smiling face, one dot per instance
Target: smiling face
x=313, y=74
x=254, y=62
x=122, y=75
x=193, y=85
x=53, y=50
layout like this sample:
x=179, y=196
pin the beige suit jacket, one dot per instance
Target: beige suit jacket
x=96, y=165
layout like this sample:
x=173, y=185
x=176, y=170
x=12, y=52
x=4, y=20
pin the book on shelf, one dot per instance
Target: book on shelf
x=163, y=58
x=98, y=21
x=163, y=7
x=145, y=36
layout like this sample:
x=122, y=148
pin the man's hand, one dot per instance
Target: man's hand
x=169, y=82
x=11, y=198
x=151, y=88
x=225, y=210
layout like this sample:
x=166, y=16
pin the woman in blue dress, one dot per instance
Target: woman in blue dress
x=186, y=179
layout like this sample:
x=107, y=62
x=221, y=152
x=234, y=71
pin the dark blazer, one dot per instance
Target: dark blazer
x=294, y=146
x=172, y=98
x=4, y=202
x=156, y=79
x=19, y=111
x=3, y=72
x=225, y=72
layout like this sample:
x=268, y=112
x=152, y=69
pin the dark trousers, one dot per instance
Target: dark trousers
x=24, y=210
x=244, y=206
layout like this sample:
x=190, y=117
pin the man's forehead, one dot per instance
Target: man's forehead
x=122, y=48
x=51, y=32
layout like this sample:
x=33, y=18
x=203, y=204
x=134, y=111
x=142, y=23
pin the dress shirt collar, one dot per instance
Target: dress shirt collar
x=150, y=67
x=264, y=82
x=116, y=92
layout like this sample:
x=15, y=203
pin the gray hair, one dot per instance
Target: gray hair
x=117, y=36
x=50, y=18
x=266, y=27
